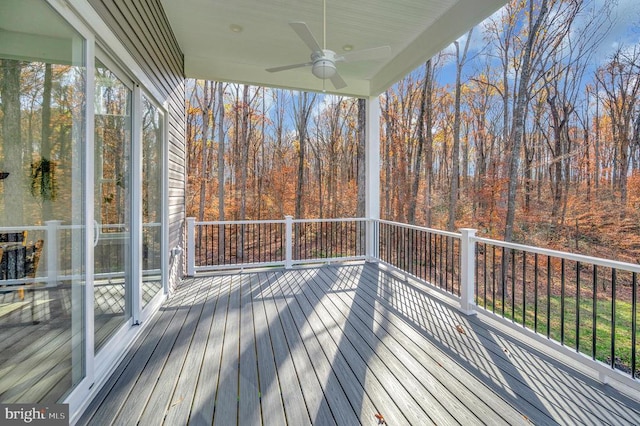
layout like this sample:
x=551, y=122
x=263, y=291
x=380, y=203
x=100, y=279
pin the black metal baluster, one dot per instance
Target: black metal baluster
x=456, y=263
x=198, y=247
x=412, y=252
x=402, y=242
x=236, y=233
x=476, y=279
x=548, y=296
x=613, y=317
x=524, y=288
x=594, y=314
x=423, y=256
x=430, y=235
x=204, y=245
x=446, y=264
x=535, y=289
x=513, y=285
x=484, y=268
x=493, y=280
x=269, y=241
x=442, y=253
x=578, y=306
x=409, y=252
x=562, y=288
x=634, y=319
x=399, y=238
x=440, y=260
x=503, y=273
x=387, y=243
x=244, y=241
x=334, y=244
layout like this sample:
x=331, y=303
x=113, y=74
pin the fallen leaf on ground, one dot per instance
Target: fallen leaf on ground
x=380, y=418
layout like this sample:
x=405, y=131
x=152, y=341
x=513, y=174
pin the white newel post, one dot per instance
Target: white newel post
x=467, y=268
x=288, y=241
x=191, y=246
x=53, y=251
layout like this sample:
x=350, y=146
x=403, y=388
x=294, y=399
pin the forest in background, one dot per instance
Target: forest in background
x=526, y=129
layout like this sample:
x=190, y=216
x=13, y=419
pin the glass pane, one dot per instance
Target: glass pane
x=42, y=123
x=112, y=306
x=152, y=131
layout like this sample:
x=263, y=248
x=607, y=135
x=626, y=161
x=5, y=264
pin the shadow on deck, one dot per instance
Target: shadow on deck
x=340, y=345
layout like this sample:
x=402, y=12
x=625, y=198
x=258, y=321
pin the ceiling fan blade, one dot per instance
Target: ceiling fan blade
x=338, y=82
x=306, y=35
x=289, y=67
x=366, y=54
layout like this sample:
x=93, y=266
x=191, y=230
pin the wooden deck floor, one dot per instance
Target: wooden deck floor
x=35, y=338
x=337, y=345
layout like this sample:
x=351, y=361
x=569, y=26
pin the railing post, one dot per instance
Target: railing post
x=191, y=246
x=288, y=240
x=467, y=269
x=53, y=252
x=372, y=242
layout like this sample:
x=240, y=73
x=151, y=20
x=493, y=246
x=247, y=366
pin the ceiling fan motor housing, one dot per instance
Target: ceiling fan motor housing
x=323, y=64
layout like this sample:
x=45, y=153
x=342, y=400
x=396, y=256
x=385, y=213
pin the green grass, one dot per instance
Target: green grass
x=623, y=327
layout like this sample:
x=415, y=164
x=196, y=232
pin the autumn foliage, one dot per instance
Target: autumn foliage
x=578, y=161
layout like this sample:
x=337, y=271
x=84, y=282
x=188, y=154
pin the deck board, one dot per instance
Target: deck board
x=337, y=345
x=162, y=366
x=226, y=404
x=290, y=386
x=249, y=392
x=106, y=405
x=319, y=412
x=431, y=367
x=182, y=399
x=315, y=340
x=402, y=364
x=204, y=397
x=269, y=382
x=364, y=403
x=371, y=364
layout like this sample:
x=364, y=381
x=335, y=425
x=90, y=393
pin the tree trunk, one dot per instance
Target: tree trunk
x=205, y=106
x=15, y=186
x=411, y=215
x=360, y=158
x=518, y=120
x=455, y=150
x=361, y=170
x=46, y=164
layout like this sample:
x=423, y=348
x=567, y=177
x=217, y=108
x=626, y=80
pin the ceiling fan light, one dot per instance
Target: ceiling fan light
x=323, y=69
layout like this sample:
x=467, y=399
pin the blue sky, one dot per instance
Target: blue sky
x=625, y=30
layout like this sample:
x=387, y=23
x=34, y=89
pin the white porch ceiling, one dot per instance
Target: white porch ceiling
x=414, y=29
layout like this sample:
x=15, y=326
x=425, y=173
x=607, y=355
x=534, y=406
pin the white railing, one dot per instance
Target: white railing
x=53, y=272
x=288, y=242
x=56, y=264
x=560, y=296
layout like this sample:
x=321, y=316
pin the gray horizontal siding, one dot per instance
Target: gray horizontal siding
x=143, y=28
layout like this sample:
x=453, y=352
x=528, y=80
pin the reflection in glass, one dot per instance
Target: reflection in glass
x=112, y=107
x=152, y=130
x=42, y=122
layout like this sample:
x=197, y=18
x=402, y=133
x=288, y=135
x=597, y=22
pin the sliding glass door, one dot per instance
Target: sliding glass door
x=152, y=194
x=112, y=203
x=43, y=142
x=82, y=159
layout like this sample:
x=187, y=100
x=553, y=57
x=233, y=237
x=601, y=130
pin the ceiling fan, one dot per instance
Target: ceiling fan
x=323, y=61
